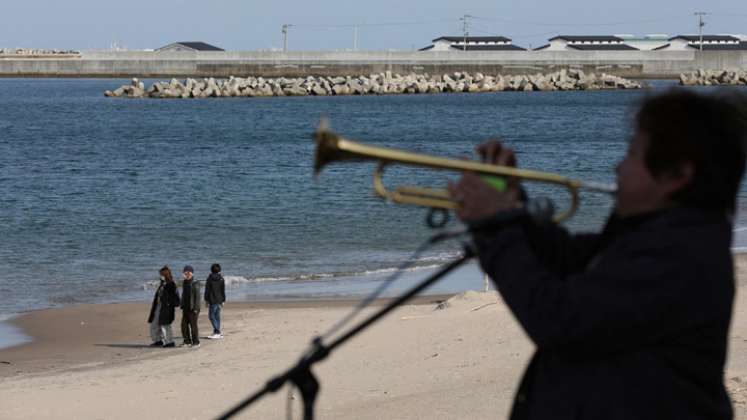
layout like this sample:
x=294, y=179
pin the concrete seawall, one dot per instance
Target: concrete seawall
x=631, y=64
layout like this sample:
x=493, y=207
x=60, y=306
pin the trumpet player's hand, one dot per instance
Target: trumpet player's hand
x=477, y=199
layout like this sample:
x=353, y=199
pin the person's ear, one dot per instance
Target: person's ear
x=679, y=178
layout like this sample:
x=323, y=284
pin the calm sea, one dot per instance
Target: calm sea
x=97, y=194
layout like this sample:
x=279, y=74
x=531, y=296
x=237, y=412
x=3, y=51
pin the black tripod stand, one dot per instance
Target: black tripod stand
x=301, y=376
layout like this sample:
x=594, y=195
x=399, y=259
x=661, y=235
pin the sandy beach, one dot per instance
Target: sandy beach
x=427, y=360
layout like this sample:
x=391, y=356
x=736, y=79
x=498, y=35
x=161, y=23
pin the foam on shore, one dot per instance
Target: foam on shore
x=10, y=335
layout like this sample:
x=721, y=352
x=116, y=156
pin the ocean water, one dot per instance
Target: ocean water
x=96, y=194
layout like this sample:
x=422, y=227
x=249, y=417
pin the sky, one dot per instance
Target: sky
x=246, y=25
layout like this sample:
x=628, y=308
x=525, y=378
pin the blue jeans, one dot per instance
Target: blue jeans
x=214, y=315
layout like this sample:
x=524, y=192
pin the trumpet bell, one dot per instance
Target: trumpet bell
x=327, y=150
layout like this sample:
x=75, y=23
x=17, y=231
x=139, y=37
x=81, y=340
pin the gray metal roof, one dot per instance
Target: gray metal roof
x=722, y=47
x=661, y=47
x=509, y=47
x=473, y=39
x=587, y=38
x=706, y=38
x=603, y=47
x=194, y=45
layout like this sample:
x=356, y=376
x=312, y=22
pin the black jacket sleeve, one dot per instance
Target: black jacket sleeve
x=196, y=297
x=560, y=251
x=172, y=295
x=636, y=291
x=208, y=287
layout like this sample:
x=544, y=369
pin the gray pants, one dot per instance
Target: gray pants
x=160, y=332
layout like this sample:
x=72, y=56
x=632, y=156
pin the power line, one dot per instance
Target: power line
x=348, y=25
x=496, y=19
x=724, y=14
x=314, y=26
x=485, y=31
x=356, y=26
x=572, y=24
x=534, y=35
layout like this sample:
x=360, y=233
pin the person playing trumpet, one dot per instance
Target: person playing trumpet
x=631, y=322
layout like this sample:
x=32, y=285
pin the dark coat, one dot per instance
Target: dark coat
x=215, y=289
x=191, y=295
x=628, y=324
x=169, y=299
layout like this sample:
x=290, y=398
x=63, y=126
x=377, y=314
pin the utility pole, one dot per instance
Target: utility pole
x=285, y=36
x=701, y=24
x=465, y=29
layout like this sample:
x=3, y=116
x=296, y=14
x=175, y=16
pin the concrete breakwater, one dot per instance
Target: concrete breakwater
x=165, y=65
x=713, y=78
x=374, y=84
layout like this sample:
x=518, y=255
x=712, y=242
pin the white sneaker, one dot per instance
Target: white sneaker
x=195, y=346
x=213, y=336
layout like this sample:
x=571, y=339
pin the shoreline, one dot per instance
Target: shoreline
x=27, y=329
x=73, y=337
x=16, y=331
x=343, y=291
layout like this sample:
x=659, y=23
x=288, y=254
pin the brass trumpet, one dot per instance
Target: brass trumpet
x=331, y=147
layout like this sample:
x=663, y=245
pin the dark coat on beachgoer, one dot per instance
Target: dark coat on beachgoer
x=215, y=289
x=191, y=295
x=168, y=297
x=629, y=324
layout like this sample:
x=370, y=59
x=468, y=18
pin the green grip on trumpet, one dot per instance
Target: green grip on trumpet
x=499, y=183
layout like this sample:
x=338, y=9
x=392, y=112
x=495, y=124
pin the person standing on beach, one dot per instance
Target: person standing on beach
x=162, y=310
x=191, y=301
x=632, y=322
x=215, y=295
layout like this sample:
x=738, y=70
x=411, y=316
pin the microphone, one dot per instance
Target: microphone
x=539, y=211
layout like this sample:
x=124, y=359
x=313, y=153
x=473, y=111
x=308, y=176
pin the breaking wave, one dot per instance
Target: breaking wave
x=424, y=263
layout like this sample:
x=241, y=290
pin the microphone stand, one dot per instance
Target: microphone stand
x=301, y=375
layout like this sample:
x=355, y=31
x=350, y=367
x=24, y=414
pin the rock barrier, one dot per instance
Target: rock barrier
x=374, y=84
x=714, y=78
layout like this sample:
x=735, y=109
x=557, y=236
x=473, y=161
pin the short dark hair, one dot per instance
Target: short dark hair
x=215, y=268
x=708, y=131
